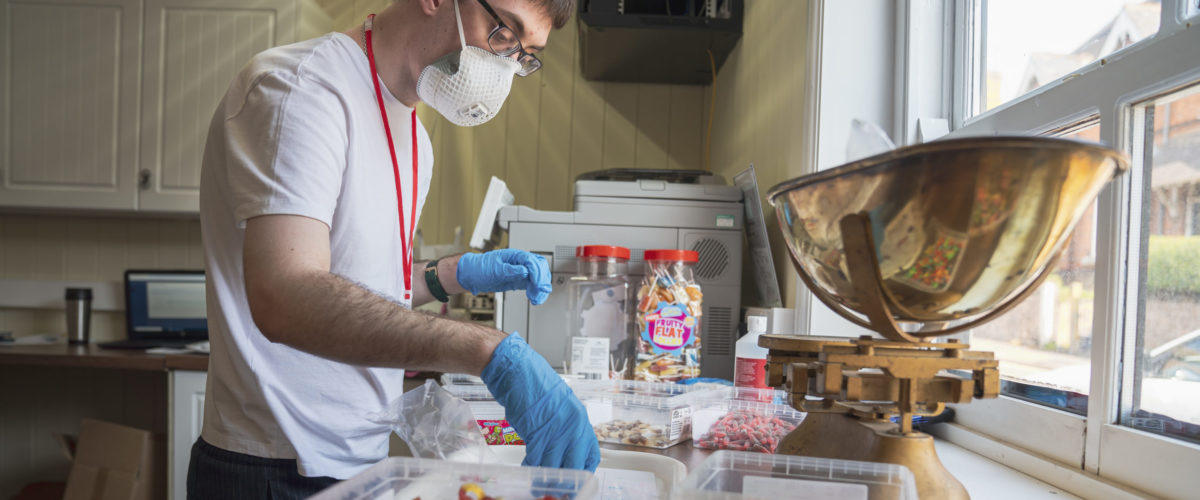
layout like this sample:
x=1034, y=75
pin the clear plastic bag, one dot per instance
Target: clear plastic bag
x=436, y=424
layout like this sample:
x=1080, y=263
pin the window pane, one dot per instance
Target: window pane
x=1030, y=43
x=1166, y=385
x=1044, y=344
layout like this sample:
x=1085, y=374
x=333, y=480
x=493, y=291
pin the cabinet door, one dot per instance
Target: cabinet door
x=194, y=48
x=68, y=103
x=187, y=418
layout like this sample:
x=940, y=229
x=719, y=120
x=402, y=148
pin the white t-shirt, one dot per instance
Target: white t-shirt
x=299, y=132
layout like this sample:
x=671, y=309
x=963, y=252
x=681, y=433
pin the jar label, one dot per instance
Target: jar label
x=589, y=358
x=669, y=328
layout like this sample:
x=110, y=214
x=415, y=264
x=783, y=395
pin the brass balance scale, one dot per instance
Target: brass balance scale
x=914, y=244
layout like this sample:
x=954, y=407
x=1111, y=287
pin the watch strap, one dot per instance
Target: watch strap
x=434, y=283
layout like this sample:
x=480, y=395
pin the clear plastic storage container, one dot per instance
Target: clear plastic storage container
x=767, y=395
x=669, y=307
x=400, y=478
x=736, y=475
x=622, y=475
x=598, y=314
x=452, y=379
x=728, y=423
x=654, y=415
x=658, y=390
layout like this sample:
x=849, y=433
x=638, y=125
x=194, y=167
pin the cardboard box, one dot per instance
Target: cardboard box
x=114, y=462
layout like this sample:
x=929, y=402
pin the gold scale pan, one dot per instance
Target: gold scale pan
x=914, y=244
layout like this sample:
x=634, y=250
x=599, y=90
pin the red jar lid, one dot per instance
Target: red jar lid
x=602, y=251
x=680, y=255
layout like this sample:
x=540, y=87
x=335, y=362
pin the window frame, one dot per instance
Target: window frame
x=1111, y=92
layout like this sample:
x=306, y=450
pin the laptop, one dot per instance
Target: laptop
x=163, y=309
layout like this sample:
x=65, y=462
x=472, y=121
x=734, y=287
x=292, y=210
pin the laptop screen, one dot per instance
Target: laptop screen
x=165, y=303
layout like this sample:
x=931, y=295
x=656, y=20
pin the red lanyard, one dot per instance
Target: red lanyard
x=405, y=239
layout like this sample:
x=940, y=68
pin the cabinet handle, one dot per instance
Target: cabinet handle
x=144, y=178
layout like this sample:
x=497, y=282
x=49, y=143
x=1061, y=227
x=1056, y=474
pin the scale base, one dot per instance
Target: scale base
x=842, y=436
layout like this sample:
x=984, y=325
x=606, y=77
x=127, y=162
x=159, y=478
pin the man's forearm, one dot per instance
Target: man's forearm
x=329, y=316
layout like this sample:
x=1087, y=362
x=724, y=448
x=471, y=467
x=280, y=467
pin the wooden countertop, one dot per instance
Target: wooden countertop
x=91, y=356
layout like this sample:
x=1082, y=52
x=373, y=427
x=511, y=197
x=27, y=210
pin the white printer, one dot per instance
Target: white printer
x=640, y=210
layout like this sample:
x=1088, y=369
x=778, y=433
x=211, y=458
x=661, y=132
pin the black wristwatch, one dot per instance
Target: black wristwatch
x=434, y=283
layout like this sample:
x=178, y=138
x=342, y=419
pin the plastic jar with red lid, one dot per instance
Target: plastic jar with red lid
x=599, y=299
x=669, y=306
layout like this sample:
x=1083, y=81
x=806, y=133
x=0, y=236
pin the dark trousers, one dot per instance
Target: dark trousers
x=220, y=474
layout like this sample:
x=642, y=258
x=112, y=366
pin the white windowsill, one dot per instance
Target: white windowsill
x=986, y=479
x=992, y=469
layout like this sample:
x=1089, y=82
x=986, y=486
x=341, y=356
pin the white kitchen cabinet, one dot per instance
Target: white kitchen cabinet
x=193, y=49
x=104, y=109
x=187, y=417
x=68, y=102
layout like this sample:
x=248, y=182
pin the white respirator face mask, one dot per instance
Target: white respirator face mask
x=467, y=87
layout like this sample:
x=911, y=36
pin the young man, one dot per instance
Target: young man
x=314, y=175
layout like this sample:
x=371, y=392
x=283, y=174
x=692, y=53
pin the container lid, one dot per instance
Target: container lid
x=602, y=251
x=79, y=294
x=470, y=392
x=681, y=255
x=449, y=379
x=735, y=475
x=404, y=477
x=661, y=395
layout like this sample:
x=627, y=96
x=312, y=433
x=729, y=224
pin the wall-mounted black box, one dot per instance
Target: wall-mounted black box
x=656, y=41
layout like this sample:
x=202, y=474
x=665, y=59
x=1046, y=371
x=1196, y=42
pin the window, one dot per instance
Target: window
x=1194, y=223
x=1045, y=344
x=1027, y=43
x=1101, y=366
x=1163, y=394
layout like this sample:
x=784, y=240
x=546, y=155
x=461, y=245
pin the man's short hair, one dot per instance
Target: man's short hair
x=559, y=10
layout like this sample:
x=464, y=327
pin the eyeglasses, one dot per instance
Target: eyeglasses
x=504, y=42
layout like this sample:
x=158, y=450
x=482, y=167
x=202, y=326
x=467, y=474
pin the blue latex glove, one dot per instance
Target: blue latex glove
x=541, y=408
x=504, y=270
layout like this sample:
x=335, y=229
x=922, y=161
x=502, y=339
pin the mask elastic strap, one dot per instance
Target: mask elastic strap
x=458, y=17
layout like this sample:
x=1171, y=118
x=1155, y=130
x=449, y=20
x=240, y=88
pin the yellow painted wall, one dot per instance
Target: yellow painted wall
x=557, y=125
x=554, y=126
x=760, y=110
